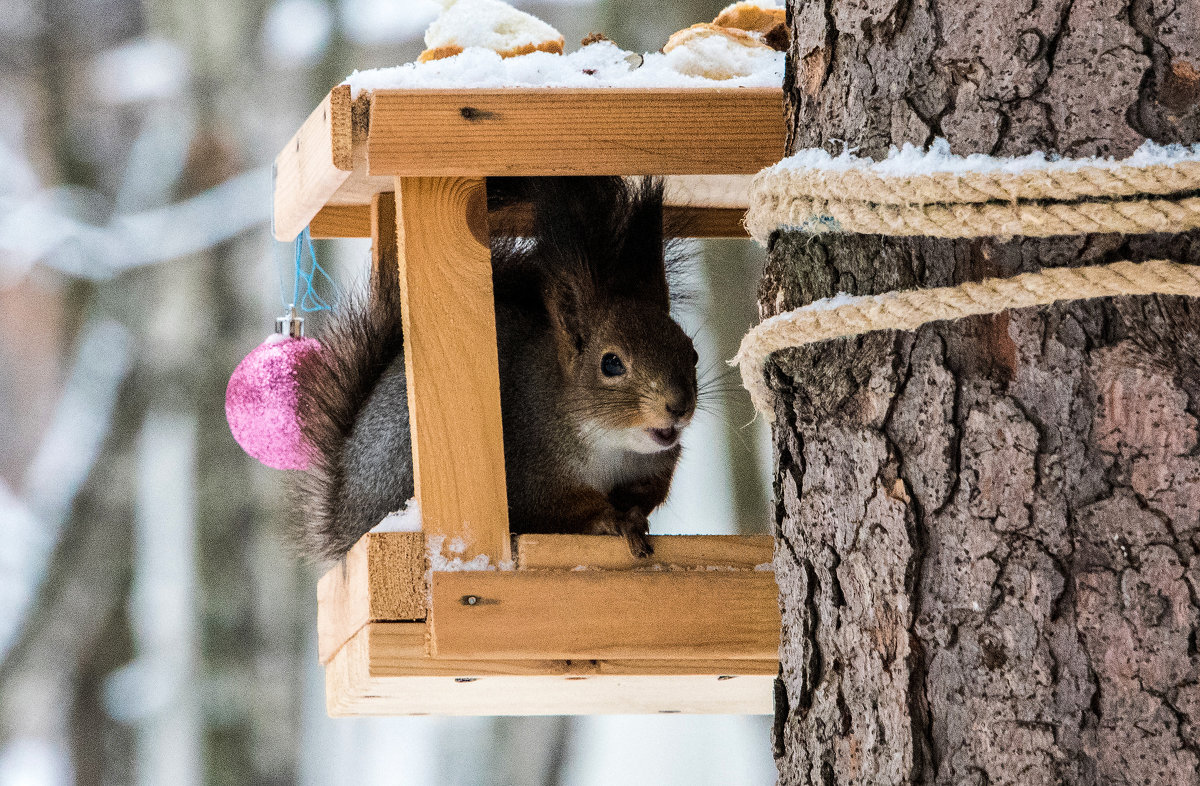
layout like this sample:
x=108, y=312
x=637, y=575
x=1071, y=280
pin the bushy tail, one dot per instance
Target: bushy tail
x=362, y=339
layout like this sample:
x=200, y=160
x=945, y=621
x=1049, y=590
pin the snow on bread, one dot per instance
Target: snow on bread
x=488, y=44
x=718, y=53
x=488, y=24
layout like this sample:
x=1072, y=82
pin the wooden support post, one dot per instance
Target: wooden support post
x=385, y=253
x=452, y=364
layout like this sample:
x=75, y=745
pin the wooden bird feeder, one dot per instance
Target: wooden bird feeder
x=578, y=625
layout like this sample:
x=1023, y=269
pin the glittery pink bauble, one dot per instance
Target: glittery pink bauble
x=261, y=402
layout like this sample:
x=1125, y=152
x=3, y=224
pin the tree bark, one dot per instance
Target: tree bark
x=988, y=530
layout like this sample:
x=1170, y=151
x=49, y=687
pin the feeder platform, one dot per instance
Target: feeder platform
x=572, y=624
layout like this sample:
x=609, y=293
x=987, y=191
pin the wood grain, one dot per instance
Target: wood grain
x=381, y=578
x=382, y=670
x=557, y=131
x=341, y=221
x=651, y=615
x=385, y=249
x=314, y=164
x=565, y=552
x=453, y=369
x=338, y=221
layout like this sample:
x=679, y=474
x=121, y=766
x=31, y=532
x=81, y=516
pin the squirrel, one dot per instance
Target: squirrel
x=597, y=381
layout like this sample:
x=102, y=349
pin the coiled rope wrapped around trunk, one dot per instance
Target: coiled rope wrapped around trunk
x=935, y=194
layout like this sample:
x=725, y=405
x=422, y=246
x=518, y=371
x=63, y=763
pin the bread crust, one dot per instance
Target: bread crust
x=748, y=16
x=554, y=47
x=708, y=30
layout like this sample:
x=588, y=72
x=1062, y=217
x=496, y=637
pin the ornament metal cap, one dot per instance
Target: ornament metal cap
x=290, y=324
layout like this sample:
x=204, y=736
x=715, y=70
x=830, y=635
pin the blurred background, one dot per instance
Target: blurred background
x=155, y=625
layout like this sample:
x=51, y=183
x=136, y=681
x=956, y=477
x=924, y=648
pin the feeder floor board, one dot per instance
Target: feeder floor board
x=383, y=671
x=706, y=140
x=681, y=631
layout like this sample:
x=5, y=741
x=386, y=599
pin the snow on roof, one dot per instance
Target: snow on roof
x=602, y=64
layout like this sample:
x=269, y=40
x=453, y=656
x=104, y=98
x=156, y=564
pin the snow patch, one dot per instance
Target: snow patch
x=407, y=519
x=708, y=53
x=830, y=303
x=602, y=64
x=491, y=24
x=912, y=160
x=446, y=557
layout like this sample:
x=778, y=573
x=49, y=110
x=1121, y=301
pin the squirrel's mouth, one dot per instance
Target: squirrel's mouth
x=666, y=437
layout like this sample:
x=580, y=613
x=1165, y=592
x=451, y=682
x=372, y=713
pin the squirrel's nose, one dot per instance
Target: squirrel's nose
x=678, y=407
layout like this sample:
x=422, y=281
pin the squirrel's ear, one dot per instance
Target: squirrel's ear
x=566, y=304
x=641, y=257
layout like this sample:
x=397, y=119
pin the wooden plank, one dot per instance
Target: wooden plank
x=385, y=252
x=560, y=131
x=650, y=615
x=695, y=206
x=382, y=671
x=566, y=552
x=381, y=578
x=704, y=222
x=341, y=221
x=453, y=369
x=314, y=164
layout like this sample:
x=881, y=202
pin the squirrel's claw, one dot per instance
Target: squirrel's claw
x=639, y=544
x=633, y=525
x=636, y=529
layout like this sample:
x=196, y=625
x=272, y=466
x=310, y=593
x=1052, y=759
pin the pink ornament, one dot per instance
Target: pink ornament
x=261, y=402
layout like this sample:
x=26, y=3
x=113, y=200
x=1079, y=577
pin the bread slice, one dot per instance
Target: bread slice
x=768, y=21
x=751, y=16
x=715, y=52
x=490, y=24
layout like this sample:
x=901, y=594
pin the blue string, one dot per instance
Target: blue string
x=309, y=301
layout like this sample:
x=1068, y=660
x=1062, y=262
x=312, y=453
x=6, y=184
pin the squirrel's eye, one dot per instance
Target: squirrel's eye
x=611, y=365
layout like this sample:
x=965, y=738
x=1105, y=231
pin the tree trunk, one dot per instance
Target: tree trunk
x=988, y=530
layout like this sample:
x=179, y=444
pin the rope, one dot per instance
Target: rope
x=909, y=309
x=1058, y=184
x=1129, y=217
x=1034, y=198
x=816, y=193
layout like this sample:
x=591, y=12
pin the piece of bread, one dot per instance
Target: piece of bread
x=715, y=52
x=769, y=21
x=490, y=24
x=751, y=16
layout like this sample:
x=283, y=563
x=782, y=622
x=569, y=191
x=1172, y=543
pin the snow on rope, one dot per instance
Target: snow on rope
x=936, y=194
x=933, y=193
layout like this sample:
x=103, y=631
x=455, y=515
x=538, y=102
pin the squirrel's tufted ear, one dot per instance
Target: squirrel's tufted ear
x=641, y=267
x=568, y=299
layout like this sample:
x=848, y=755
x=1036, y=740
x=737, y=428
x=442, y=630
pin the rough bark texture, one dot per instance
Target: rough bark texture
x=989, y=531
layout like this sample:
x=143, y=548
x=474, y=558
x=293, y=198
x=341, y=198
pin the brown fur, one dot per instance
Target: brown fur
x=591, y=282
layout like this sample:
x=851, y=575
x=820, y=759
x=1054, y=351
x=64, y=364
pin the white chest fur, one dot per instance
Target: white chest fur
x=609, y=461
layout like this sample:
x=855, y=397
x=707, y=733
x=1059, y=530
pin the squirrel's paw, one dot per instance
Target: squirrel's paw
x=633, y=525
